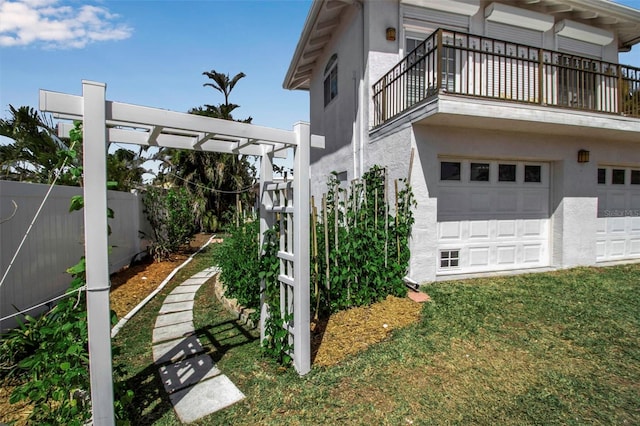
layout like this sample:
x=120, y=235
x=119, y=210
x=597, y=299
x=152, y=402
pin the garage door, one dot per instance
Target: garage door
x=618, y=235
x=492, y=216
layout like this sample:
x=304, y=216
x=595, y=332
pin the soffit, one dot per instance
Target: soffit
x=621, y=20
x=323, y=19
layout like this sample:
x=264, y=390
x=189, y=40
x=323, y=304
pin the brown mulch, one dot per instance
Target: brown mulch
x=349, y=332
x=131, y=285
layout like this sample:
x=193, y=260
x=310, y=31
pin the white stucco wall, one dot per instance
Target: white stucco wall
x=573, y=189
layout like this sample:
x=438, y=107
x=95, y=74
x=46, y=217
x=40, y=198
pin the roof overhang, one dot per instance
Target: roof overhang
x=325, y=16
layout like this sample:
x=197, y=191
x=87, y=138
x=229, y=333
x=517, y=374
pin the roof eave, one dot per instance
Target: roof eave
x=312, y=17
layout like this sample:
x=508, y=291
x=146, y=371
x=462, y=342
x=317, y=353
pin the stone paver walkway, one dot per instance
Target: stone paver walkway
x=196, y=387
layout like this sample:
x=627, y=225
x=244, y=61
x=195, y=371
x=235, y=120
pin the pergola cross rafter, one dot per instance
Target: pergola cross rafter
x=107, y=121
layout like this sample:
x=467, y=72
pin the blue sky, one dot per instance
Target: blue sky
x=153, y=53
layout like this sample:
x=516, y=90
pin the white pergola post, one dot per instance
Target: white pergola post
x=97, y=251
x=266, y=223
x=301, y=312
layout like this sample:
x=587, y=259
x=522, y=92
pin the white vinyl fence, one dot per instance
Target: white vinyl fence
x=55, y=242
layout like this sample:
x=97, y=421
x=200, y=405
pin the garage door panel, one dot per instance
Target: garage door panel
x=635, y=225
x=616, y=225
x=533, y=228
x=616, y=200
x=601, y=249
x=507, y=201
x=480, y=202
x=634, y=247
x=478, y=256
x=450, y=230
x=479, y=229
x=616, y=248
x=506, y=255
x=532, y=253
x=536, y=202
x=506, y=228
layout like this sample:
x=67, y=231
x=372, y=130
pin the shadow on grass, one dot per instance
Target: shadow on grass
x=151, y=402
x=224, y=336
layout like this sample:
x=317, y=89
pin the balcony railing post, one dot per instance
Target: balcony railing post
x=620, y=90
x=439, y=63
x=384, y=101
x=540, y=76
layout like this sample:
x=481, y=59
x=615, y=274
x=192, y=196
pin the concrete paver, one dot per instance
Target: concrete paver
x=196, y=387
x=187, y=372
x=176, y=307
x=172, y=332
x=174, y=318
x=205, y=398
x=176, y=350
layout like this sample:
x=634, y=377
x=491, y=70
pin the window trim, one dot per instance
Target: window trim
x=330, y=85
x=447, y=258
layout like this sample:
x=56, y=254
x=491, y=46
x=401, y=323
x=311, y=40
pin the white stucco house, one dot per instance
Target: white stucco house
x=524, y=126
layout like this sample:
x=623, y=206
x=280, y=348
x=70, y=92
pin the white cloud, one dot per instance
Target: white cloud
x=54, y=25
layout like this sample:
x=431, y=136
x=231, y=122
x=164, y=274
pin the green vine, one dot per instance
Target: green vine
x=51, y=353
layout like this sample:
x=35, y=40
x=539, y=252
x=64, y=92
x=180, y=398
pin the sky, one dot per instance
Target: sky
x=153, y=53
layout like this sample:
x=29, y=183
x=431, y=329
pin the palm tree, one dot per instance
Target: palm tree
x=223, y=84
x=35, y=154
x=214, y=179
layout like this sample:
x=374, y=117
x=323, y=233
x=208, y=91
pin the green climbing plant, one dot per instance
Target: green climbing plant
x=51, y=353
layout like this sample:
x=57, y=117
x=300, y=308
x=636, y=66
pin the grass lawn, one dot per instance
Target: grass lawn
x=552, y=348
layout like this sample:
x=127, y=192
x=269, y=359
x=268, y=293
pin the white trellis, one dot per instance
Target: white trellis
x=107, y=121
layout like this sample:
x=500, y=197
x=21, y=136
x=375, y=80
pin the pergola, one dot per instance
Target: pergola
x=107, y=121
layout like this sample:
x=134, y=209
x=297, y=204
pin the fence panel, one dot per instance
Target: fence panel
x=54, y=243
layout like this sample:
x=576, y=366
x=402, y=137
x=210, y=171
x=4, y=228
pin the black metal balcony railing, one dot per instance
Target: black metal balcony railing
x=465, y=64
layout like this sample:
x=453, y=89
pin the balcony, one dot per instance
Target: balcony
x=460, y=64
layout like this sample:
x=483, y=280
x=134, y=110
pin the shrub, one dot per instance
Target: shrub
x=238, y=258
x=51, y=355
x=169, y=214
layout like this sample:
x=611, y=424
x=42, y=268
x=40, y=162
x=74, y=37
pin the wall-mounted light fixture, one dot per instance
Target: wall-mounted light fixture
x=583, y=156
x=391, y=34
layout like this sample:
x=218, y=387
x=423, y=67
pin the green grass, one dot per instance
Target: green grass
x=553, y=348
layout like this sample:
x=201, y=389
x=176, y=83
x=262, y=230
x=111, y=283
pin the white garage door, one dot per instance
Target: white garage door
x=492, y=216
x=618, y=235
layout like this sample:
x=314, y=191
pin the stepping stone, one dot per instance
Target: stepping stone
x=186, y=289
x=194, y=281
x=176, y=350
x=207, y=273
x=172, y=332
x=164, y=320
x=205, y=398
x=418, y=296
x=176, y=307
x=187, y=372
x=179, y=297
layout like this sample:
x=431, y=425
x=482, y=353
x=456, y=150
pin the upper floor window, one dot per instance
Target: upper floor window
x=331, y=79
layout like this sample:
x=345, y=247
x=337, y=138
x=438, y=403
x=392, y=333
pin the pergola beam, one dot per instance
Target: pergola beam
x=120, y=113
